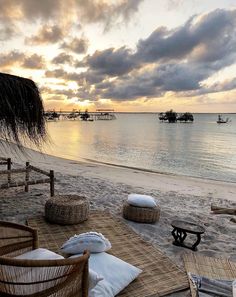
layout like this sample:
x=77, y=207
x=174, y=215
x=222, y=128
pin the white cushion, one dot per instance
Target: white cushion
x=141, y=200
x=102, y=289
x=94, y=278
x=91, y=241
x=117, y=274
x=44, y=254
x=40, y=254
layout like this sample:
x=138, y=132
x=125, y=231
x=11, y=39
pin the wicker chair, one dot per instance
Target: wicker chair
x=34, y=278
x=16, y=239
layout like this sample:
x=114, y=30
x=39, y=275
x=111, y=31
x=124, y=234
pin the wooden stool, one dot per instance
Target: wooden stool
x=180, y=231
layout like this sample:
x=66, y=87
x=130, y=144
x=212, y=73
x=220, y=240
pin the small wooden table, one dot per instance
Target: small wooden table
x=180, y=231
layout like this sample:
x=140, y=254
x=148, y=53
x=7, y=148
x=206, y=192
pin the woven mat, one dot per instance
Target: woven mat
x=214, y=268
x=160, y=275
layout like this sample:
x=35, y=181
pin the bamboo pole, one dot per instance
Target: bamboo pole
x=39, y=170
x=27, y=182
x=20, y=170
x=27, y=177
x=9, y=170
x=3, y=158
x=35, y=239
x=51, y=183
x=30, y=182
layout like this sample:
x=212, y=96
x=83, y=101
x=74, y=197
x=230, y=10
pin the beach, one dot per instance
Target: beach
x=107, y=187
x=103, y=99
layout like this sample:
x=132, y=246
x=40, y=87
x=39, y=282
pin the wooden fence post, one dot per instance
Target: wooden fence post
x=52, y=183
x=9, y=170
x=27, y=177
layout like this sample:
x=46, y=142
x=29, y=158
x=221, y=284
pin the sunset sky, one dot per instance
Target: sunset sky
x=129, y=55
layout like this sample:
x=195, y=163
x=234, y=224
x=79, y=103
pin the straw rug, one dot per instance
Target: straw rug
x=160, y=275
x=214, y=268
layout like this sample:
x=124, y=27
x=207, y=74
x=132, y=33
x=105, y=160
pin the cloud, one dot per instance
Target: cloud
x=214, y=31
x=46, y=34
x=64, y=75
x=184, y=78
x=76, y=45
x=173, y=4
x=39, y=9
x=81, y=93
x=11, y=58
x=111, y=62
x=95, y=11
x=88, y=11
x=177, y=60
x=209, y=38
x=226, y=85
x=33, y=62
x=223, y=86
x=6, y=33
x=56, y=94
x=63, y=58
x=57, y=73
x=22, y=60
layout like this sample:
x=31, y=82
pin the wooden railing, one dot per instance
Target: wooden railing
x=27, y=181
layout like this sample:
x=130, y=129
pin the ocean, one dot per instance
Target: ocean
x=202, y=149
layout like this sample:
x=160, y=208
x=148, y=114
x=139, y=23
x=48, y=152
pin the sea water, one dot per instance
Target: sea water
x=200, y=149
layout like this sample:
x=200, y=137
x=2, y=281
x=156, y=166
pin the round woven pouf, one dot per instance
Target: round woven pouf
x=141, y=214
x=67, y=209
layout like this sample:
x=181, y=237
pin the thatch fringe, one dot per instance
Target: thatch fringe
x=21, y=110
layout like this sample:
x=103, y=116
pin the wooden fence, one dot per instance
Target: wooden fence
x=26, y=173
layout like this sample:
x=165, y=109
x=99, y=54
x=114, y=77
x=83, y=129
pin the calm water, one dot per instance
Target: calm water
x=201, y=149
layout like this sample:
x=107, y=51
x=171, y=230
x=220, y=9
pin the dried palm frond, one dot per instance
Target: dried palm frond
x=21, y=110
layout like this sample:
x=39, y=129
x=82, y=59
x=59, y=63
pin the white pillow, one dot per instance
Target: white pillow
x=141, y=200
x=102, y=289
x=44, y=254
x=40, y=254
x=91, y=241
x=94, y=278
x=117, y=274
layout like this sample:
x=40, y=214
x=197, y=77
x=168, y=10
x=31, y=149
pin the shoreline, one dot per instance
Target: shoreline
x=131, y=176
x=151, y=170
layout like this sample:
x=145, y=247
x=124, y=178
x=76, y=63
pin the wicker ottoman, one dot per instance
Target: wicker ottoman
x=141, y=214
x=67, y=209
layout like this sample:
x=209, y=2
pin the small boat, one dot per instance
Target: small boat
x=221, y=120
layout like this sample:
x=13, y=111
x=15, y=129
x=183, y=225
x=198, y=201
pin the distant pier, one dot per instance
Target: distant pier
x=98, y=115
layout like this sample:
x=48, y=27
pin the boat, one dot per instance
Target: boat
x=221, y=120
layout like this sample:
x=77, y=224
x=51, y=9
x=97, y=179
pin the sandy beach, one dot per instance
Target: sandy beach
x=107, y=187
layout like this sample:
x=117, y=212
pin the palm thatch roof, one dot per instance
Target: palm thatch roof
x=21, y=110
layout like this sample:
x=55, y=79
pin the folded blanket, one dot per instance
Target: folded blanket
x=207, y=287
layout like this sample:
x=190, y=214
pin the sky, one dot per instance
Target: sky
x=127, y=55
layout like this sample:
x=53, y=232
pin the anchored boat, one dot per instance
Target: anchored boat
x=221, y=120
